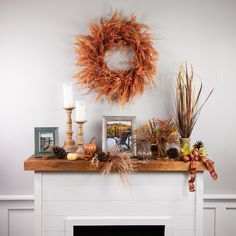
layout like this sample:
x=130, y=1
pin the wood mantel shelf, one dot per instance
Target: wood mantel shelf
x=55, y=165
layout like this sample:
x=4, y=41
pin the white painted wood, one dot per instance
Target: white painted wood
x=220, y=197
x=184, y=233
x=230, y=220
x=96, y=180
x=3, y=221
x=90, y=208
x=209, y=222
x=91, y=195
x=38, y=227
x=199, y=205
x=16, y=197
x=54, y=233
x=119, y=193
x=179, y=222
x=20, y=220
x=122, y=220
x=23, y=208
x=221, y=221
x=55, y=224
x=49, y=183
x=222, y=225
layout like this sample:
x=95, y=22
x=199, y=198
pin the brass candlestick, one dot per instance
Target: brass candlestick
x=80, y=143
x=69, y=144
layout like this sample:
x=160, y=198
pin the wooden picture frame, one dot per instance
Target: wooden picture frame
x=44, y=139
x=118, y=134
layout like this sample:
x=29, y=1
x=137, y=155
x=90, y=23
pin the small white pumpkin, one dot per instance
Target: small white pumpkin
x=72, y=156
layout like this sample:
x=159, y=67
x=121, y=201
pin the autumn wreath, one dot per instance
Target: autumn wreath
x=116, y=85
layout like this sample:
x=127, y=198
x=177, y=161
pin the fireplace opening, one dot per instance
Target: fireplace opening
x=119, y=230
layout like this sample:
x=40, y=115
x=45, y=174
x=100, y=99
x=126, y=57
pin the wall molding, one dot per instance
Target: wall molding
x=16, y=197
x=218, y=210
x=219, y=197
x=206, y=197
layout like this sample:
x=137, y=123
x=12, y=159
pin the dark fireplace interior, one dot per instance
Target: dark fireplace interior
x=120, y=230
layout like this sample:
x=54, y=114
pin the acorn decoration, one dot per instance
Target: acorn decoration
x=59, y=152
x=91, y=148
x=172, y=153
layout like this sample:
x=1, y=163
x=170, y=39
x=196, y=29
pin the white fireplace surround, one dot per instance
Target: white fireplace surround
x=70, y=222
x=64, y=199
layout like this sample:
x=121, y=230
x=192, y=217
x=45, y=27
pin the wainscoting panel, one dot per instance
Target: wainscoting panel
x=17, y=216
x=209, y=221
x=20, y=220
x=231, y=220
x=219, y=215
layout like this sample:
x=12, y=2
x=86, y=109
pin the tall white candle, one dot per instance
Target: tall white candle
x=80, y=111
x=68, y=95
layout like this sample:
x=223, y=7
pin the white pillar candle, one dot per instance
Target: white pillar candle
x=80, y=111
x=68, y=95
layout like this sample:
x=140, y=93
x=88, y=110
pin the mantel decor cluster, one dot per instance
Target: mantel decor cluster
x=166, y=147
x=116, y=85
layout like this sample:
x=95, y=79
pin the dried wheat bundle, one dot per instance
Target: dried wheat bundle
x=119, y=86
x=120, y=162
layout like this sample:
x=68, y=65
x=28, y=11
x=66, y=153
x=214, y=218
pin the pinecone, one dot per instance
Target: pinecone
x=198, y=144
x=172, y=153
x=103, y=156
x=59, y=152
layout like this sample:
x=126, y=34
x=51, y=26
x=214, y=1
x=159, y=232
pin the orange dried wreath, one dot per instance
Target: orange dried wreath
x=116, y=85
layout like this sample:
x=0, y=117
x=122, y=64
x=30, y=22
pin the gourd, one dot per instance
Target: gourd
x=72, y=156
x=91, y=148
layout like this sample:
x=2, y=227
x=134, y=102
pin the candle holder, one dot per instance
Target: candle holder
x=69, y=144
x=80, y=143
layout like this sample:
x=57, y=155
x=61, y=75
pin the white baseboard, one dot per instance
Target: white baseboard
x=219, y=215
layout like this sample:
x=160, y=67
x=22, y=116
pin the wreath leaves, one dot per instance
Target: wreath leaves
x=116, y=85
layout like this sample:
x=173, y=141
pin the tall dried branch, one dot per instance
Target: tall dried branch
x=188, y=94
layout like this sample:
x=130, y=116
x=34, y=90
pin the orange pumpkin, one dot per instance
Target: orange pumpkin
x=91, y=148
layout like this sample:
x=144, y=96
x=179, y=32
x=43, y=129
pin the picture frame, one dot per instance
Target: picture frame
x=118, y=134
x=44, y=139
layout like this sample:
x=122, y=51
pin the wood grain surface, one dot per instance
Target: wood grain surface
x=55, y=165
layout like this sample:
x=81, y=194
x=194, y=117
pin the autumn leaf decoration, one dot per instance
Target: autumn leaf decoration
x=119, y=86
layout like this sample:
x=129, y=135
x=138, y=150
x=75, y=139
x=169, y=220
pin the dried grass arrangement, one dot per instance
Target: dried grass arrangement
x=115, y=85
x=188, y=94
x=159, y=132
x=119, y=162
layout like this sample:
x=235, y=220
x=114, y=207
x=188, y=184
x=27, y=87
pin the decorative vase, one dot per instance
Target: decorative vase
x=184, y=141
x=154, y=149
x=144, y=151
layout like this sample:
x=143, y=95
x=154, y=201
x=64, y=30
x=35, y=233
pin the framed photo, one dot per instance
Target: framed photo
x=118, y=134
x=44, y=139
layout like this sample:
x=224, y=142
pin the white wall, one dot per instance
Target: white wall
x=37, y=55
